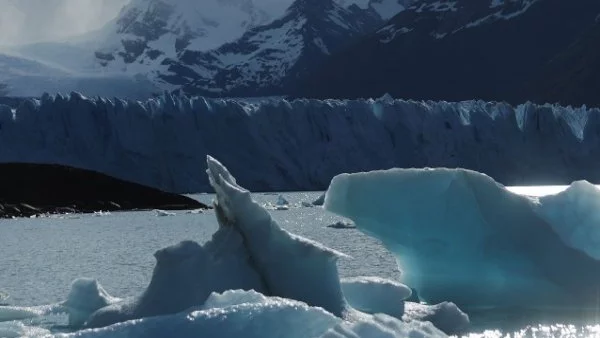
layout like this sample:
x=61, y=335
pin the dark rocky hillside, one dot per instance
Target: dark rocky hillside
x=34, y=189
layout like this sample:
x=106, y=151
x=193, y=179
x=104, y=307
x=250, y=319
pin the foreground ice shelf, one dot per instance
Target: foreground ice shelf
x=300, y=145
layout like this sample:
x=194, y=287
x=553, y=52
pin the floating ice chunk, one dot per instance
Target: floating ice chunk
x=445, y=316
x=281, y=201
x=102, y=213
x=3, y=297
x=342, y=225
x=575, y=215
x=233, y=297
x=10, y=313
x=249, y=251
x=235, y=314
x=86, y=297
x=462, y=237
x=382, y=326
x=195, y=212
x=184, y=276
x=306, y=204
x=163, y=213
x=18, y=329
x=376, y=295
x=290, y=266
x=319, y=201
x=249, y=314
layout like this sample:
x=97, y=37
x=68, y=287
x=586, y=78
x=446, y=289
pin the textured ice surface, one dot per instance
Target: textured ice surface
x=376, y=295
x=444, y=316
x=575, y=215
x=249, y=251
x=196, y=289
x=237, y=313
x=383, y=326
x=85, y=298
x=382, y=296
x=279, y=145
x=233, y=314
x=17, y=329
x=460, y=236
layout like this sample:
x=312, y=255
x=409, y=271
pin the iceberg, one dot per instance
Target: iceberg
x=249, y=314
x=575, y=216
x=300, y=145
x=249, y=251
x=376, y=295
x=383, y=326
x=231, y=314
x=86, y=297
x=251, y=279
x=460, y=236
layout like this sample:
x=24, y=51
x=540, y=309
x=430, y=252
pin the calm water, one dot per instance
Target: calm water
x=39, y=258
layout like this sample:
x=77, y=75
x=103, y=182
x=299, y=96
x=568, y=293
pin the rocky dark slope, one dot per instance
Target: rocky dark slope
x=467, y=49
x=34, y=189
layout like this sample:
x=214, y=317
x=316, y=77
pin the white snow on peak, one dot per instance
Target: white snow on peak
x=162, y=28
x=442, y=6
x=387, y=8
x=496, y=3
x=389, y=33
x=437, y=6
x=499, y=15
x=319, y=43
x=212, y=22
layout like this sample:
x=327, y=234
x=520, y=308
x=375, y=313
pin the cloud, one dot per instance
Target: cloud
x=25, y=21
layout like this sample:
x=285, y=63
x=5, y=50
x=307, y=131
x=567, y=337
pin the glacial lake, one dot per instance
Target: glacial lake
x=39, y=258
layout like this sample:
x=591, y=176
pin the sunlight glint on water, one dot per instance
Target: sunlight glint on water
x=539, y=191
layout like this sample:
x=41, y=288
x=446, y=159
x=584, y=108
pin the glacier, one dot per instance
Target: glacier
x=251, y=279
x=460, y=236
x=282, y=145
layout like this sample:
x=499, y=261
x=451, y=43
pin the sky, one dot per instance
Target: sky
x=26, y=21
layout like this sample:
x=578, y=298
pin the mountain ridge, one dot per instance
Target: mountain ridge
x=456, y=50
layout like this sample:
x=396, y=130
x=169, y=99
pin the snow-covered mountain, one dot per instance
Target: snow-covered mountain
x=227, y=47
x=148, y=31
x=384, y=8
x=217, y=47
x=300, y=145
x=457, y=50
x=268, y=59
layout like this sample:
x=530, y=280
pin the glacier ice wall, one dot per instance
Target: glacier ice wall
x=300, y=145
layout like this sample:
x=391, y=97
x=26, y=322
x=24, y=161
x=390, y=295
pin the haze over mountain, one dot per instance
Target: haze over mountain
x=54, y=19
